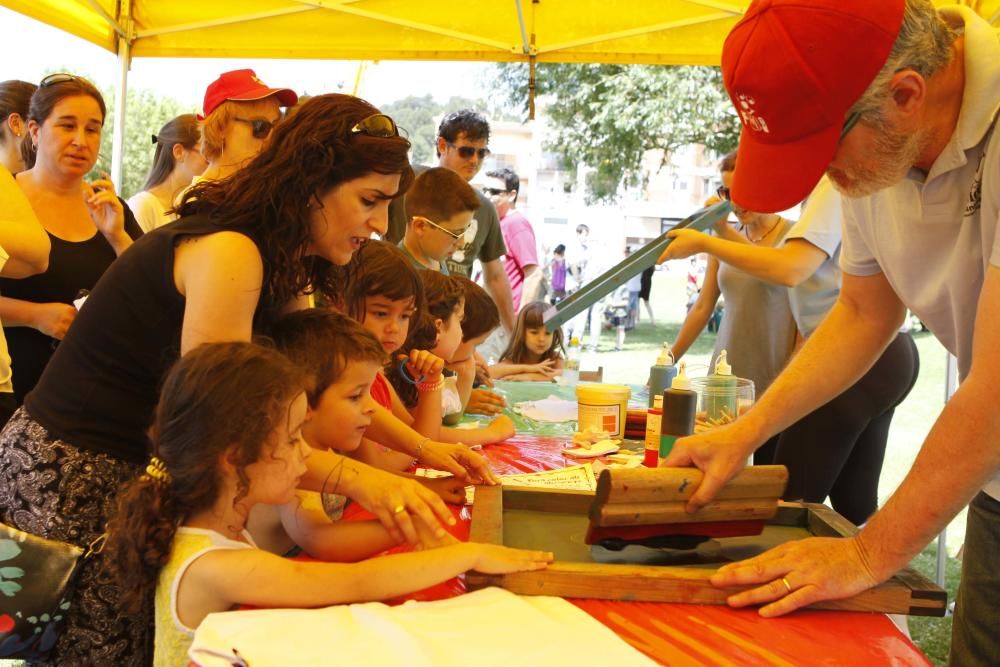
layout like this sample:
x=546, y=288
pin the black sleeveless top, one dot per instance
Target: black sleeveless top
x=73, y=266
x=100, y=388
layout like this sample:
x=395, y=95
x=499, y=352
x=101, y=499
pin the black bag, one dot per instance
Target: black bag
x=36, y=581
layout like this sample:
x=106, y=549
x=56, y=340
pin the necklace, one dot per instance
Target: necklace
x=746, y=231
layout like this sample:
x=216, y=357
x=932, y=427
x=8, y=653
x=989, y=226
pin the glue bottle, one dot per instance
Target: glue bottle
x=680, y=404
x=720, y=392
x=571, y=370
x=661, y=373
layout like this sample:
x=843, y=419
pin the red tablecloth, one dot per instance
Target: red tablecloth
x=689, y=635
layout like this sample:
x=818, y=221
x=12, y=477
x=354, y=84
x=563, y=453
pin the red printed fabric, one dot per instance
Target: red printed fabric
x=380, y=392
x=701, y=635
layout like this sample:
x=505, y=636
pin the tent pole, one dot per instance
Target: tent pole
x=124, y=62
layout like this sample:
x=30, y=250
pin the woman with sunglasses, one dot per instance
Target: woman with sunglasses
x=239, y=113
x=88, y=225
x=837, y=451
x=245, y=249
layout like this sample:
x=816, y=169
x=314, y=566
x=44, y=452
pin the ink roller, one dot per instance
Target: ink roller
x=645, y=506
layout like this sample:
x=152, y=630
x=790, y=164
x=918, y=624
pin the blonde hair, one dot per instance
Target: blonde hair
x=214, y=127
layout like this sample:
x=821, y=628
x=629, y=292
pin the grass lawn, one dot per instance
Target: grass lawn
x=910, y=425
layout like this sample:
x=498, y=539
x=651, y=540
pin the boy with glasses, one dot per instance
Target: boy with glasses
x=440, y=205
x=462, y=147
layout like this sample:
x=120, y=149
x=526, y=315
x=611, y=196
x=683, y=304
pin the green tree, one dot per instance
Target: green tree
x=607, y=116
x=146, y=114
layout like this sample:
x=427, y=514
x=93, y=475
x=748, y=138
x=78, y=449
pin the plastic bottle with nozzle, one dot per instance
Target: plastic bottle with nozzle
x=680, y=405
x=720, y=398
x=661, y=373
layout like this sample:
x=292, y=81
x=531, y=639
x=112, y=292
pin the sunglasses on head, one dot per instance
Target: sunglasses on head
x=57, y=78
x=455, y=236
x=467, y=152
x=259, y=127
x=493, y=192
x=376, y=125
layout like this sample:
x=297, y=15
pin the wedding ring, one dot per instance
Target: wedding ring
x=402, y=508
x=787, y=585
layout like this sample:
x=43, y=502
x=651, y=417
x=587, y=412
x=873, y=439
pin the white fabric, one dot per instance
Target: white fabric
x=933, y=238
x=451, y=399
x=551, y=409
x=819, y=225
x=149, y=211
x=487, y=628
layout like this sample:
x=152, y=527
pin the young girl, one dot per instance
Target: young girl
x=228, y=435
x=534, y=353
x=177, y=160
x=385, y=294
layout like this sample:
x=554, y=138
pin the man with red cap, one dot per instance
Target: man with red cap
x=898, y=103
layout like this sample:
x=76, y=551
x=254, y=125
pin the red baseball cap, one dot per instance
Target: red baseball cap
x=793, y=70
x=242, y=85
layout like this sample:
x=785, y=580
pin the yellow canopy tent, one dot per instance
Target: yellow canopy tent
x=685, y=32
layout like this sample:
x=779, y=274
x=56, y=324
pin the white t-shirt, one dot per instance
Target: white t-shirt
x=820, y=225
x=933, y=238
x=149, y=211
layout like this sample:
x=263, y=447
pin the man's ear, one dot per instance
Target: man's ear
x=909, y=92
x=441, y=146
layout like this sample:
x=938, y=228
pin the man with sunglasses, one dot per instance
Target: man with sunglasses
x=462, y=147
x=521, y=263
x=901, y=113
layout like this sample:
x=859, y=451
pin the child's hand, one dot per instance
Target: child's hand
x=485, y=402
x=482, y=370
x=501, y=428
x=546, y=368
x=496, y=559
x=421, y=363
x=451, y=489
x=426, y=539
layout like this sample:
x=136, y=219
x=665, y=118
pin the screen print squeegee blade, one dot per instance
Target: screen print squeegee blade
x=631, y=266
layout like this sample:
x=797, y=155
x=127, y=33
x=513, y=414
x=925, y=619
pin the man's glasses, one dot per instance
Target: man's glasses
x=493, y=192
x=59, y=77
x=455, y=236
x=467, y=152
x=376, y=125
x=259, y=127
x=723, y=192
x=851, y=121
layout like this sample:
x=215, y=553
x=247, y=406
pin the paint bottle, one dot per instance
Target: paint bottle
x=571, y=369
x=661, y=373
x=653, y=416
x=680, y=404
x=720, y=392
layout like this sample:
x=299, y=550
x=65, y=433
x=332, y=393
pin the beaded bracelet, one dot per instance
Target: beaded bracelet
x=432, y=385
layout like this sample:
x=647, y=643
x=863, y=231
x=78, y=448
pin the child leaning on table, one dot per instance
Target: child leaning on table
x=342, y=360
x=226, y=436
x=384, y=292
x=534, y=352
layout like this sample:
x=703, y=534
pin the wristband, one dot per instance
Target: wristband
x=433, y=385
x=405, y=375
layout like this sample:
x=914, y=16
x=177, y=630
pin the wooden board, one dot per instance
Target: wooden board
x=558, y=516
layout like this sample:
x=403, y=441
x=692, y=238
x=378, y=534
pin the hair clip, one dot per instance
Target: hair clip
x=157, y=471
x=405, y=374
x=156, y=139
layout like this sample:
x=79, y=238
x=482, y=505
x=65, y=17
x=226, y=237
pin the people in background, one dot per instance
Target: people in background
x=557, y=271
x=177, y=160
x=15, y=97
x=521, y=263
x=87, y=224
x=534, y=353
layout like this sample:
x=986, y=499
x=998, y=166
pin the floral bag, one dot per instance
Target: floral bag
x=36, y=578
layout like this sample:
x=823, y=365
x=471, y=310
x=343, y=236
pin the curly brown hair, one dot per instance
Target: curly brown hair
x=308, y=155
x=220, y=399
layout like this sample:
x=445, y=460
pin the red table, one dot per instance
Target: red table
x=683, y=635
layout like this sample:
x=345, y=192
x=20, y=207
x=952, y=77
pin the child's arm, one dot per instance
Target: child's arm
x=543, y=370
x=466, y=371
x=427, y=414
x=337, y=541
x=254, y=577
x=377, y=456
x=499, y=430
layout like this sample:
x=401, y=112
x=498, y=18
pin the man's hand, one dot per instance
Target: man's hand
x=485, y=402
x=459, y=460
x=719, y=453
x=799, y=573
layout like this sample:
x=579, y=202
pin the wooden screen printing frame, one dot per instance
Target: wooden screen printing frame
x=908, y=592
